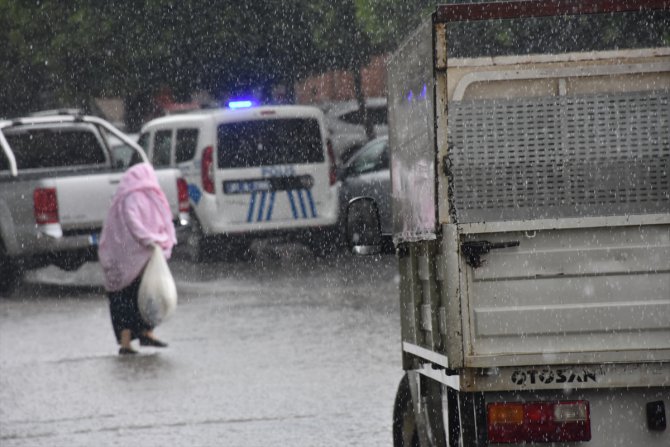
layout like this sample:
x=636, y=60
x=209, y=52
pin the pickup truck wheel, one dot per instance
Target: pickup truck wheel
x=196, y=244
x=10, y=273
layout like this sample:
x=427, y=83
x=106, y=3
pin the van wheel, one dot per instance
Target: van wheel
x=233, y=250
x=326, y=243
x=405, y=433
x=11, y=273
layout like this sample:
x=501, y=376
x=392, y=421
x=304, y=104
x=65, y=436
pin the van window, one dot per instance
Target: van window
x=187, y=140
x=49, y=148
x=162, y=148
x=269, y=142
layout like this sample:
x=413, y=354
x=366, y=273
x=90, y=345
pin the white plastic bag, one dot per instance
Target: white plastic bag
x=157, y=296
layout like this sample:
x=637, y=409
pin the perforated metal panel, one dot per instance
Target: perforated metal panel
x=537, y=158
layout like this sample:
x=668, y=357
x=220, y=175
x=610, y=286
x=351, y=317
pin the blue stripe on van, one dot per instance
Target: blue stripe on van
x=261, y=206
x=268, y=216
x=302, y=203
x=290, y=199
x=252, y=202
x=194, y=193
x=311, y=202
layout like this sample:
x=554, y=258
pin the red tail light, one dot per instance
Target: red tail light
x=45, y=205
x=515, y=422
x=207, y=172
x=332, y=173
x=182, y=195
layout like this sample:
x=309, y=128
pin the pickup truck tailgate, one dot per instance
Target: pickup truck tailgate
x=582, y=294
x=83, y=203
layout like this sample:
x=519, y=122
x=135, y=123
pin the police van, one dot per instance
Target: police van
x=252, y=172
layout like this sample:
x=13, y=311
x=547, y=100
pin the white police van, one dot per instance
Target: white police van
x=252, y=171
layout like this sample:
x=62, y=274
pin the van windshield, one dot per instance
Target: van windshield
x=269, y=142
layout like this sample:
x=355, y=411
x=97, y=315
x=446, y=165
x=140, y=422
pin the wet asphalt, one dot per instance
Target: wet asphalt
x=282, y=350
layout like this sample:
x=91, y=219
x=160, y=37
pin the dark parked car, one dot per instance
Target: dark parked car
x=367, y=174
x=345, y=124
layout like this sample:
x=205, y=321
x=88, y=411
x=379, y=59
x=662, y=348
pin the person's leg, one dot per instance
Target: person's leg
x=124, y=341
x=120, y=307
x=116, y=309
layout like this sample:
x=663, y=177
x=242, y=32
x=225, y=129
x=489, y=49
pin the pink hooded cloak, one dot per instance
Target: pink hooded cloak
x=138, y=217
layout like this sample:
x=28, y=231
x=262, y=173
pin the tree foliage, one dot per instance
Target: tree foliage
x=56, y=53
x=70, y=51
x=386, y=22
x=63, y=53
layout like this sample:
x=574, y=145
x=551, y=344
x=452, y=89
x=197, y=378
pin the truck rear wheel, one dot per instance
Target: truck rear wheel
x=405, y=433
x=418, y=416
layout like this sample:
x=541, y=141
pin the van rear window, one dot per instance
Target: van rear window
x=269, y=142
x=48, y=148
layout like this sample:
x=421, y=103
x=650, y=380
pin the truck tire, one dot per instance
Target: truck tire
x=405, y=433
x=11, y=273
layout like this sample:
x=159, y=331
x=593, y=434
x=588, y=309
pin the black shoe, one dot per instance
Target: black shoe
x=149, y=341
x=125, y=351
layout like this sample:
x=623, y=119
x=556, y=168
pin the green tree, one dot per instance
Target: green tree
x=72, y=51
x=387, y=22
x=25, y=77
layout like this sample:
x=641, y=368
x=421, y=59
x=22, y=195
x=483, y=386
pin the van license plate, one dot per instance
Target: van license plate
x=246, y=186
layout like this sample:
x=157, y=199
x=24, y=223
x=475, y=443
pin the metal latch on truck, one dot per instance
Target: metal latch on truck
x=473, y=250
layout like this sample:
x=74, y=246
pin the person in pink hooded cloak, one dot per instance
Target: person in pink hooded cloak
x=138, y=217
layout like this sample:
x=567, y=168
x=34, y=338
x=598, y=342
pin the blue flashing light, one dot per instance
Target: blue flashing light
x=241, y=104
x=424, y=91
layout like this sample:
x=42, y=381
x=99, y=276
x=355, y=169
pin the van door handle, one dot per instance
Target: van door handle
x=115, y=181
x=473, y=250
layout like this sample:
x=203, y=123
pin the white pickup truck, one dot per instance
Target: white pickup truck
x=530, y=171
x=58, y=174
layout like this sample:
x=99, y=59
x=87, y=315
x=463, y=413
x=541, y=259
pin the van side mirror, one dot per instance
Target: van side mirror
x=364, y=235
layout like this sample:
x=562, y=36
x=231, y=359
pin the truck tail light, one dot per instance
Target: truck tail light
x=332, y=171
x=207, y=172
x=182, y=195
x=45, y=205
x=515, y=422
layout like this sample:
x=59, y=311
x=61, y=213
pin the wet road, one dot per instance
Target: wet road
x=283, y=350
